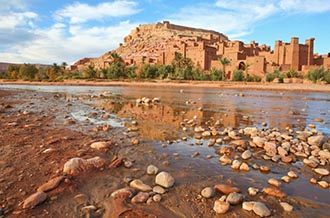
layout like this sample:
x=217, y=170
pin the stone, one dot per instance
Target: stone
x=51, y=184
x=135, y=141
x=321, y=171
x=261, y=210
x=139, y=185
x=317, y=140
x=81, y=199
x=324, y=154
x=116, y=162
x=226, y=189
x=88, y=209
x=158, y=189
x=248, y=205
x=152, y=170
x=164, y=179
x=310, y=162
x=124, y=192
x=101, y=145
x=264, y=169
x=239, y=143
x=323, y=184
x=286, y=206
x=246, y=154
x=274, y=182
x=77, y=165
x=34, y=199
x=286, y=179
x=260, y=142
x=281, y=151
x=157, y=198
x=292, y=174
x=244, y=167
x=318, y=120
x=234, y=198
x=250, y=130
x=287, y=159
x=253, y=191
x=221, y=207
x=225, y=160
x=207, y=192
x=270, y=148
x=206, y=134
x=236, y=164
x=140, y=197
x=274, y=192
x=313, y=181
x=232, y=134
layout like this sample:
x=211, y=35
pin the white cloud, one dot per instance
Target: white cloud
x=80, y=12
x=305, y=6
x=12, y=20
x=7, y=5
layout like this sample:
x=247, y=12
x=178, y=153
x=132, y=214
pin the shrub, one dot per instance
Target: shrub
x=316, y=74
x=292, y=74
x=238, y=75
x=216, y=75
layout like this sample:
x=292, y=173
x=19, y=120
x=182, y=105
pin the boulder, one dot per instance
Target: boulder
x=164, y=179
x=34, y=199
x=317, y=140
x=139, y=185
x=261, y=210
x=221, y=207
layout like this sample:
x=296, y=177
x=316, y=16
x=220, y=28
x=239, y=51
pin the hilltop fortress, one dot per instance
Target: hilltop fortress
x=158, y=43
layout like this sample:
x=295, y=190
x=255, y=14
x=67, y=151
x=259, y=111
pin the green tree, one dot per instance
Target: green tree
x=316, y=74
x=149, y=71
x=131, y=72
x=90, y=72
x=28, y=71
x=238, y=75
x=183, y=67
x=216, y=74
x=224, y=62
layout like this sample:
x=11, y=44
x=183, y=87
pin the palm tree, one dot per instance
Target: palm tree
x=224, y=62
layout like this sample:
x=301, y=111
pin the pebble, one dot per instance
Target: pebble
x=244, y=167
x=152, y=170
x=261, y=210
x=139, y=185
x=135, y=141
x=253, y=191
x=141, y=197
x=226, y=189
x=100, y=145
x=195, y=154
x=34, y=199
x=51, y=184
x=206, y=134
x=234, y=198
x=88, y=209
x=313, y=181
x=221, y=207
x=321, y=171
x=286, y=206
x=248, y=205
x=292, y=175
x=311, y=163
x=317, y=140
x=323, y=184
x=274, y=192
x=81, y=198
x=164, y=179
x=127, y=192
x=158, y=189
x=236, y=164
x=207, y=192
x=77, y=165
x=225, y=160
x=264, y=169
x=274, y=182
x=157, y=198
x=286, y=179
x=246, y=154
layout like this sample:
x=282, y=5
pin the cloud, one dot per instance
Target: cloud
x=80, y=12
x=12, y=19
x=7, y=5
x=305, y=6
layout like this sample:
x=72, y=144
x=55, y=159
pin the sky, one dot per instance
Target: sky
x=57, y=31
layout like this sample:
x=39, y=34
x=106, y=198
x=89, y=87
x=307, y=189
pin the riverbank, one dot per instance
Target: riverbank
x=308, y=86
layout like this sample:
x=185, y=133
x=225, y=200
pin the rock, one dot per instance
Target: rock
x=321, y=171
x=225, y=160
x=116, y=162
x=286, y=159
x=139, y=185
x=81, y=199
x=270, y=148
x=286, y=207
x=313, y=181
x=126, y=192
x=323, y=184
x=253, y=191
x=51, y=184
x=206, y=134
x=101, y=145
x=157, y=198
x=274, y=182
x=135, y=141
x=221, y=207
x=281, y=151
x=34, y=199
x=158, y=189
x=239, y=143
x=207, y=192
x=261, y=210
x=310, y=162
x=244, y=167
x=324, y=154
x=260, y=142
x=246, y=154
x=152, y=170
x=317, y=140
x=264, y=169
x=88, y=209
x=292, y=174
x=273, y=192
x=248, y=205
x=326, y=145
x=286, y=179
x=234, y=198
x=232, y=134
x=250, y=130
x=318, y=120
x=236, y=164
x=226, y=189
x=164, y=179
x=141, y=197
x=77, y=165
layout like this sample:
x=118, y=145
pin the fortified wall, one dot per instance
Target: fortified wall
x=158, y=43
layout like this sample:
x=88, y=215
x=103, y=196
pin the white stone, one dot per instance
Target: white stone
x=164, y=179
x=246, y=154
x=152, y=170
x=253, y=191
x=207, y=192
x=261, y=210
x=286, y=207
x=248, y=205
x=322, y=171
x=221, y=207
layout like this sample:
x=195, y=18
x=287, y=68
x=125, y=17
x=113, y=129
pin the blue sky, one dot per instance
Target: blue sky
x=43, y=31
